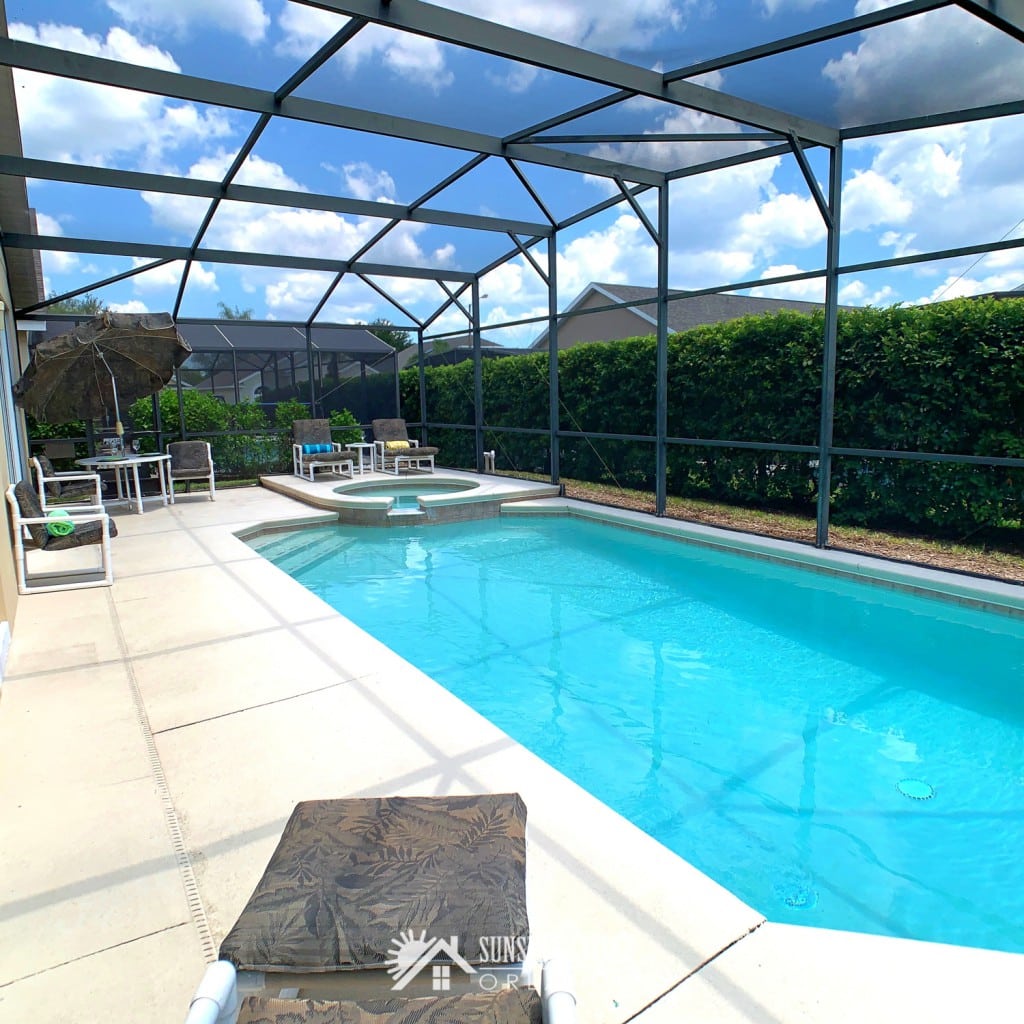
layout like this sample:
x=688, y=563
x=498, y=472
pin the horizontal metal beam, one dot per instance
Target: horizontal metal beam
x=823, y=34
x=913, y=124
x=78, y=174
x=477, y=34
x=657, y=137
x=148, y=250
x=84, y=68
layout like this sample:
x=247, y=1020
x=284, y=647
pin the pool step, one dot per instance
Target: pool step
x=296, y=552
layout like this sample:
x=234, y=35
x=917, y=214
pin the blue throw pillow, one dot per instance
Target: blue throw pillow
x=316, y=449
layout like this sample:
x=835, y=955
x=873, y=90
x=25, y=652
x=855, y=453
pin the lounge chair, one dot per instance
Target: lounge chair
x=313, y=449
x=396, y=449
x=58, y=489
x=191, y=460
x=58, y=530
x=377, y=910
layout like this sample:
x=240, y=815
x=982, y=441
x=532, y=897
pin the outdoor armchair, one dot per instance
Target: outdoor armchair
x=396, y=449
x=313, y=449
x=191, y=460
x=61, y=489
x=58, y=530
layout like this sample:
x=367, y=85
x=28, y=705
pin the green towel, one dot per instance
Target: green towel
x=60, y=527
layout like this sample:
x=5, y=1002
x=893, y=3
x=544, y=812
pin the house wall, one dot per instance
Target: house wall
x=608, y=326
x=12, y=462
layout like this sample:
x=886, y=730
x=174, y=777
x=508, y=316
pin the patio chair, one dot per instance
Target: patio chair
x=191, y=460
x=59, y=489
x=387, y=910
x=313, y=449
x=58, y=530
x=396, y=449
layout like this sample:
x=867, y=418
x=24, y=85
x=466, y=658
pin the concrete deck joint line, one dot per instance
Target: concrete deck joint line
x=693, y=974
x=181, y=856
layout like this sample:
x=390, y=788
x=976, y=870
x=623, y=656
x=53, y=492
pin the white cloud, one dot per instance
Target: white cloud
x=784, y=220
x=53, y=261
x=869, y=198
x=857, y=293
x=132, y=306
x=246, y=18
x=811, y=290
x=939, y=188
x=305, y=29
x=773, y=7
x=362, y=181
x=941, y=60
x=169, y=276
x=80, y=122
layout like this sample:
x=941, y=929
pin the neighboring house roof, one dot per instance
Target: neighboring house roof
x=457, y=342
x=683, y=314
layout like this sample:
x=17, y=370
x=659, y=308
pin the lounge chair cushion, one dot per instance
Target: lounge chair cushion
x=514, y=1006
x=84, y=533
x=350, y=876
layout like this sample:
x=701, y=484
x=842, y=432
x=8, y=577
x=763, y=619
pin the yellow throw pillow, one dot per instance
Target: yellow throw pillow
x=396, y=446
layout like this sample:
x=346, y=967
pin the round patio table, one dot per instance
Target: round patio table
x=129, y=466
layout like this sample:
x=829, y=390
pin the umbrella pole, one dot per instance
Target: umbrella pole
x=118, y=427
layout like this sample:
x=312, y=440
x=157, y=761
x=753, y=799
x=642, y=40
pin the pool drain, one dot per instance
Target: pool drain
x=915, y=789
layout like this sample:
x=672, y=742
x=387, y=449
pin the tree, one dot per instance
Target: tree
x=234, y=312
x=389, y=334
x=88, y=304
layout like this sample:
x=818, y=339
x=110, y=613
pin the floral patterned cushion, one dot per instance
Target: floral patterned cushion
x=516, y=1006
x=351, y=876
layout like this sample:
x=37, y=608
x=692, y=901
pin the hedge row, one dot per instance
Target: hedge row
x=942, y=378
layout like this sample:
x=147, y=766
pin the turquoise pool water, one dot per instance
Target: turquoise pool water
x=834, y=753
x=405, y=493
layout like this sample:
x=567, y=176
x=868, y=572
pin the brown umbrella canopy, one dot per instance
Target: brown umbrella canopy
x=88, y=372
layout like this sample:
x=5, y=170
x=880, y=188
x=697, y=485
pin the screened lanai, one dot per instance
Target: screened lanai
x=337, y=162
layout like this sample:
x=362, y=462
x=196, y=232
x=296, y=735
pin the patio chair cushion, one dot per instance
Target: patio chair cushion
x=311, y=431
x=511, y=1006
x=71, y=491
x=84, y=533
x=350, y=876
x=189, y=459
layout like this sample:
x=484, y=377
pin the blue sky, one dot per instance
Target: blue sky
x=903, y=193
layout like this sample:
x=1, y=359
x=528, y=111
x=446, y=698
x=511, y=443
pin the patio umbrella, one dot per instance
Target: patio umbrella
x=88, y=372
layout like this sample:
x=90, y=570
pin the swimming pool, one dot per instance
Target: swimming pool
x=836, y=754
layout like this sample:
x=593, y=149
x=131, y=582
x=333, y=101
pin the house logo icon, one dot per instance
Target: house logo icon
x=410, y=954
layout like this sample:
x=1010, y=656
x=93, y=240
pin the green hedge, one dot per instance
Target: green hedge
x=942, y=378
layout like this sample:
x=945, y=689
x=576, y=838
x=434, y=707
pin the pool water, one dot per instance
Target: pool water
x=405, y=494
x=836, y=754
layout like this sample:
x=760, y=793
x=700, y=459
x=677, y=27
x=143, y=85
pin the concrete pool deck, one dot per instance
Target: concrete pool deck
x=155, y=735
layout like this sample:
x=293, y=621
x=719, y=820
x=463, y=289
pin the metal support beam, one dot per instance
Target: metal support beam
x=81, y=67
x=61, y=243
x=661, y=385
x=478, y=380
x=528, y=256
x=638, y=209
x=554, y=399
x=538, y=51
x=78, y=174
x=812, y=183
x=828, y=362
